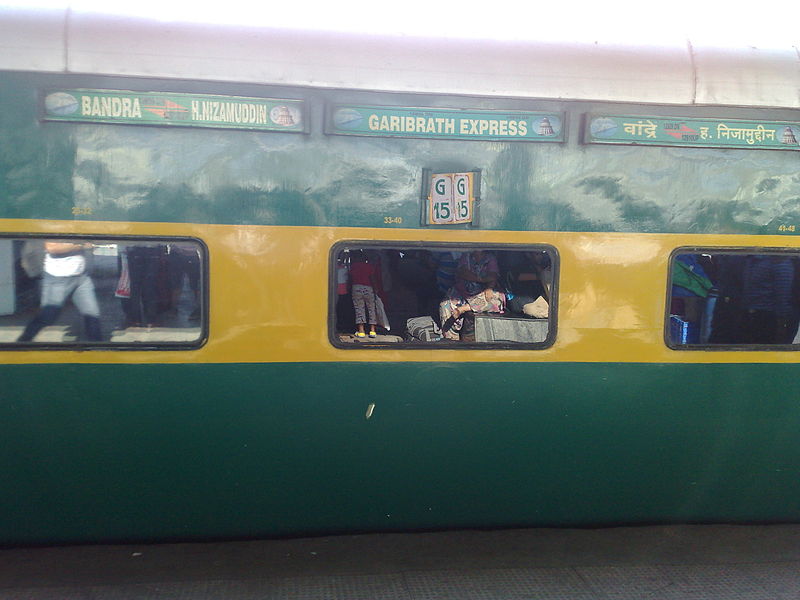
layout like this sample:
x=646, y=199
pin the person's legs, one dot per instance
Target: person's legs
x=360, y=304
x=136, y=268
x=372, y=312
x=47, y=315
x=85, y=300
x=55, y=291
x=84, y=297
x=150, y=289
x=91, y=326
x=450, y=321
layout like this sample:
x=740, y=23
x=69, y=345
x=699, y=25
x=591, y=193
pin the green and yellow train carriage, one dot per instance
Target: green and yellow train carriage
x=227, y=396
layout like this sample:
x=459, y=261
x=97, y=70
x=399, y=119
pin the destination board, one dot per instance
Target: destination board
x=678, y=131
x=440, y=123
x=182, y=110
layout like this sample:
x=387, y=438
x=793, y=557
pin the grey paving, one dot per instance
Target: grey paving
x=701, y=562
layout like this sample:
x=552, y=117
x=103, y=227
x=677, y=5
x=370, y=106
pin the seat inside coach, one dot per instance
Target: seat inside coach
x=436, y=295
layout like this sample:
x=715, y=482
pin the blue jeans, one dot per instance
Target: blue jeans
x=55, y=292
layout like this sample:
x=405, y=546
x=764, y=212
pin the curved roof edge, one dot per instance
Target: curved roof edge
x=682, y=73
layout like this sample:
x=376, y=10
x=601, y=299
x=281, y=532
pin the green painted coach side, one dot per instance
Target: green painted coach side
x=186, y=451
x=53, y=170
x=146, y=452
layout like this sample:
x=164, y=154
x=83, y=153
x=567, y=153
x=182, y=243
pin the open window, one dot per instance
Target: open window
x=734, y=298
x=114, y=293
x=442, y=296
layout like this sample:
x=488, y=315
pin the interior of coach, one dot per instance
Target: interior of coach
x=100, y=291
x=149, y=291
x=443, y=295
x=732, y=297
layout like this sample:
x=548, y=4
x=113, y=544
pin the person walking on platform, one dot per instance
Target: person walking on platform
x=65, y=277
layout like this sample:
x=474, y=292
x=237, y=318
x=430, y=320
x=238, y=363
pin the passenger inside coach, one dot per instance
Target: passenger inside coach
x=478, y=295
x=150, y=285
x=147, y=292
x=476, y=290
x=446, y=265
x=364, y=281
x=416, y=270
x=526, y=282
x=184, y=264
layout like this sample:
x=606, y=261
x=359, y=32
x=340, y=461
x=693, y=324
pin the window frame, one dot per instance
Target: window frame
x=122, y=346
x=711, y=250
x=336, y=248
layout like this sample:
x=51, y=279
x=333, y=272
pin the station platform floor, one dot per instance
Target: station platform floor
x=687, y=562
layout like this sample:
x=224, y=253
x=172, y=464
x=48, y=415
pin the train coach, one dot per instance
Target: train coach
x=265, y=283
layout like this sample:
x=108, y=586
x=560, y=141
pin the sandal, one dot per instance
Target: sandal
x=360, y=334
x=372, y=334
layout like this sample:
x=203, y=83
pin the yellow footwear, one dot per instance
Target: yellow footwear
x=360, y=334
x=372, y=334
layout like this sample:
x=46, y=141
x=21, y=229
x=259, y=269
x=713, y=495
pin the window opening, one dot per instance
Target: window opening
x=85, y=291
x=734, y=297
x=443, y=296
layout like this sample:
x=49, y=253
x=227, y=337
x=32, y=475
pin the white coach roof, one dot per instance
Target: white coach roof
x=66, y=41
